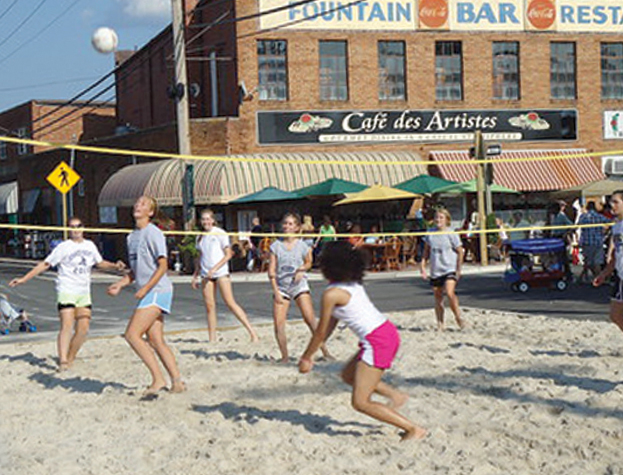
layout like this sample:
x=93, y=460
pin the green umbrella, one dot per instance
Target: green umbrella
x=471, y=187
x=424, y=184
x=270, y=193
x=332, y=186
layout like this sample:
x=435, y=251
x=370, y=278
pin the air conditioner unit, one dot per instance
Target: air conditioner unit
x=613, y=165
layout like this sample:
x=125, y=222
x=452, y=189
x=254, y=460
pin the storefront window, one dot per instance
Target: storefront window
x=392, y=71
x=506, y=70
x=333, y=71
x=448, y=71
x=612, y=70
x=272, y=70
x=562, y=71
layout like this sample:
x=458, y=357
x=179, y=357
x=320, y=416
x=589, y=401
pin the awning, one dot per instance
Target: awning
x=9, y=194
x=29, y=200
x=221, y=182
x=538, y=175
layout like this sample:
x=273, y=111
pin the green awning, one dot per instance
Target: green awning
x=332, y=186
x=471, y=187
x=424, y=184
x=270, y=193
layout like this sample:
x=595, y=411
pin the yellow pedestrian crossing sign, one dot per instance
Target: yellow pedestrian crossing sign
x=63, y=178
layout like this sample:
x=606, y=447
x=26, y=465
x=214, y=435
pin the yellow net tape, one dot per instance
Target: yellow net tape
x=227, y=158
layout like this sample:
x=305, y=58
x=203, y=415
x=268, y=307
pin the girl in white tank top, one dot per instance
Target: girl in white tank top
x=345, y=299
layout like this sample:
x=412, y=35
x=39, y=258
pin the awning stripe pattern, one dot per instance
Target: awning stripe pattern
x=223, y=181
x=9, y=195
x=540, y=175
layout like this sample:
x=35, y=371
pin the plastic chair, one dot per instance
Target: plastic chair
x=391, y=256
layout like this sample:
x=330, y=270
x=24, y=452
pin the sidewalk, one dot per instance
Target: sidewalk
x=314, y=276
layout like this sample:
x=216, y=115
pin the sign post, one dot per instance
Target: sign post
x=63, y=178
x=480, y=154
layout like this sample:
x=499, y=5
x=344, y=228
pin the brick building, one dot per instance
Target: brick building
x=25, y=195
x=337, y=79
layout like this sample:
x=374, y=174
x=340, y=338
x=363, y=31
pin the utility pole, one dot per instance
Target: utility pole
x=480, y=154
x=180, y=89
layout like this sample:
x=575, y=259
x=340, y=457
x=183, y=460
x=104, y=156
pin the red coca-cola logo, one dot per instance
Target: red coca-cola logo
x=433, y=13
x=541, y=14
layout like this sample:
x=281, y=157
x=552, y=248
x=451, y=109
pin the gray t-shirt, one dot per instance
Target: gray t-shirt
x=288, y=261
x=443, y=253
x=145, y=246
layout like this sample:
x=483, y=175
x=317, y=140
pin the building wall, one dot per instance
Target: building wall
x=303, y=80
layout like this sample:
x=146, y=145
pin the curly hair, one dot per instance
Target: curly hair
x=341, y=262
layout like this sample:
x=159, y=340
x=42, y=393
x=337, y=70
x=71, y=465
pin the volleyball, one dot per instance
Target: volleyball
x=105, y=40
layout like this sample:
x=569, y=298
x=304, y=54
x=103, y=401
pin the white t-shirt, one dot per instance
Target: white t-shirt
x=212, y=248
x=359, y=314
x=617, y=240
x=74, y=261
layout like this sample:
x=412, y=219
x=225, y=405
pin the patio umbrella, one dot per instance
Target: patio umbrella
x=270, y=193
x=377, y=193
x=332, y=186
x=424, y=184
x=595, y=188
x=471, y=187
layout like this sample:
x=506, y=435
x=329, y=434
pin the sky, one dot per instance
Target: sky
x=45, y=45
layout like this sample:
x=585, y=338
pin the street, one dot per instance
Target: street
x=481, y=290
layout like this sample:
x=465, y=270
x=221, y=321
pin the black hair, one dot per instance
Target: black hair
x=618, y=192
x=590, y=206
x=341, y=262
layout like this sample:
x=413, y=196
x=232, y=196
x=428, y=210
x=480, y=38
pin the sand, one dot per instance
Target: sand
x=511, y=394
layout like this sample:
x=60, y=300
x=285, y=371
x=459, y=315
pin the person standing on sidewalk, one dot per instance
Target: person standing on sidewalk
x=75, y=258
x=445, y=253
x=592, y=241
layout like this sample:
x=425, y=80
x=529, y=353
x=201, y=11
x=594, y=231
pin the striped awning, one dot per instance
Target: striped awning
x=8, y=198
x=223, y=181
x=537, y=175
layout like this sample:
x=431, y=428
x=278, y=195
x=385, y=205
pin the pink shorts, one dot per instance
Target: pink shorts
x=380, y=346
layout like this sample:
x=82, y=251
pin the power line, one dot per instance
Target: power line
x=44, y=84
x=23, y=22
x=41, y=31
x=8, y=9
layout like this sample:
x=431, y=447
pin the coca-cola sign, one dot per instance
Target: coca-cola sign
x=433, y=14
x=541, y=14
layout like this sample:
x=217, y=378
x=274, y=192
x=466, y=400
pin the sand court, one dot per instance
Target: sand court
x=510, y=394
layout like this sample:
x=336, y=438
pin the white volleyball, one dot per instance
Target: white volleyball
x=105, y=40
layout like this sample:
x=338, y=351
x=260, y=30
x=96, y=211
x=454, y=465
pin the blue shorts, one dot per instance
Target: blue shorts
x=162, y=300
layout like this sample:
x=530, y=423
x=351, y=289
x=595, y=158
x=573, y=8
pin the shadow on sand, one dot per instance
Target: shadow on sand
x=77, y=384
x=30, y=359
x=313, y=423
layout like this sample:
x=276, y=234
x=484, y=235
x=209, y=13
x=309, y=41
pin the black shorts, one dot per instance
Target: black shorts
x=441, y=280
x=62, y=306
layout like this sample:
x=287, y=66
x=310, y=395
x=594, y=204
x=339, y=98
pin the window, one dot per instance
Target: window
x=22, y=148
x=272, y=70
x=3, y=152
x=506, y=70
x=562, y=71
x=612, y=70
x=333, y=71
x=392, y=71
x=448, y=71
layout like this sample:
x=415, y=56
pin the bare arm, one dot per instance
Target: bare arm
x=424, y=261
x=272, y=276
x=460, y=253
x=107, y=265
x=608, y=269
x=40, y=268
x=330, y=299
x=228, y=254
